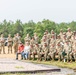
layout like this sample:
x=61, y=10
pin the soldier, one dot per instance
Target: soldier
x=74, y=51
x=32, y=41
x=69, y=33
x=36, y=37
x=27, y=38
x=2, y=41
x=36, y=46
x=52, y=51
x=59, y=51
x=10, y=40
x=68, y=49
x=61, y=33
x=18, y=37
x=15, y=43
x=44, y=51
x=53, y=39
x=31, y=51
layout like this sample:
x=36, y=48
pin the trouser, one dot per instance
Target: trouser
x=17, y=55
x=2, y=46
x=25, y=55
x=34, y=53
x=10, y=48
x=52, y=55
x=60, y=56
x=15, y=48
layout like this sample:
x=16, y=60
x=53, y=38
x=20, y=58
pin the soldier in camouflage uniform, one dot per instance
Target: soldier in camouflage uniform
x=27, y=38
x=44, y=51
x=68, y=49
x=2, y=41
x=18, y=37
x=59, y=51
x=36, y=38
x=10, y=40
x=32, y=41
x=15, y=43
x=36, y=48
x=52, y=51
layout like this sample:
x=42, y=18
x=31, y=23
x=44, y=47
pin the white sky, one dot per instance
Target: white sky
x=37, y=10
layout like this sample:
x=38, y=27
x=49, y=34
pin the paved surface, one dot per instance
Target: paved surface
x=10, y=65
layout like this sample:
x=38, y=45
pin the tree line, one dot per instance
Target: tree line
x=32, y=27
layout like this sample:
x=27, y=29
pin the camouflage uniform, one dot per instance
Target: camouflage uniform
x=2, y=41
x=59, y=51
x=10, y=40
x=15, y=43
x=52, y=51
x=68, y=50
x=44, y=51
x=36, y=38
x=27, y=38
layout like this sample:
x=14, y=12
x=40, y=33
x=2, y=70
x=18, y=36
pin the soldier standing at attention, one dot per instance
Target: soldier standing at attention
x=10, y=40
x=15, y=43
x=2, y=41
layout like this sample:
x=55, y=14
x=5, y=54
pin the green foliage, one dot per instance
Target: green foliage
x=31, y=27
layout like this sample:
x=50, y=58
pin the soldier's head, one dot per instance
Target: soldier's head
x=17, y=34
x=33, y=38
x=69, y=29
x=45, y=44
x=58, y=37
x=9, y=35
x=67, y=42
x=61, y=30
x=36, y=44
x=27, y=43
x=52, y=31
x=46, y=31
x=53, y=36
x=58, y=44
x=35, y=34
x=20, y=43
x=27, y=35
x=2, y=35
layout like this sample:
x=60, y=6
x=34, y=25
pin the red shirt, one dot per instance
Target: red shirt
x=20, y=48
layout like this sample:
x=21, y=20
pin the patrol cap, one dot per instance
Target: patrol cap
x=68, y=28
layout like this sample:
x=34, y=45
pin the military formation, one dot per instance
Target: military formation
x=51, y=46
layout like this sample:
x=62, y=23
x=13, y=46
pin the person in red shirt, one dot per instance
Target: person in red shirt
x=20, y=50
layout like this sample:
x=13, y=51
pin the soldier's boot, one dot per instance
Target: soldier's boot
x=33, y=56
x=11, y=50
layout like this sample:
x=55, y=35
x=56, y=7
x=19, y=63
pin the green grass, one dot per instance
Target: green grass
x=70, y=65
x=19, y=67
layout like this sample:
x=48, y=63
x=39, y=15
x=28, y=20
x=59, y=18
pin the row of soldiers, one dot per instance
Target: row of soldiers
x=63, y=45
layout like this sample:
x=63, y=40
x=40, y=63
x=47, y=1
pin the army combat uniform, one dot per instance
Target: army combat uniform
x=10, y=40
x=15, y=44
x=2, y=44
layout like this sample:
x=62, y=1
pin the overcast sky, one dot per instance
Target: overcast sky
x=37, y=10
